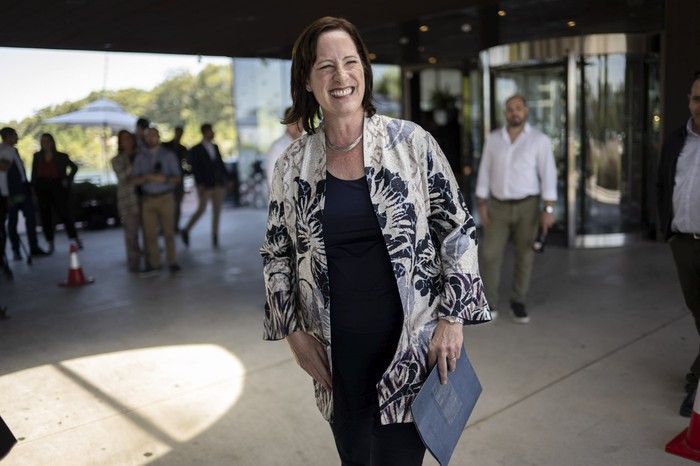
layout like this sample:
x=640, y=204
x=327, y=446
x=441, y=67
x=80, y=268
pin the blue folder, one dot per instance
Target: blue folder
x=440, y=412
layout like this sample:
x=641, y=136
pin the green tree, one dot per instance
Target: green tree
x=181, y=99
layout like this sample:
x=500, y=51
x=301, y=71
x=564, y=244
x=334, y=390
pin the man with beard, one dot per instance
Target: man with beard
x=157, y=171
x=678, y=191
x=516, y=176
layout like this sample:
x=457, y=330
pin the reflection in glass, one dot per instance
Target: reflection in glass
x=612, y=162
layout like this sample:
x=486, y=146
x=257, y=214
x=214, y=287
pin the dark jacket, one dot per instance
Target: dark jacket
x=63, y=164
x=671, y=149
x=15, y=185
x=207, y=172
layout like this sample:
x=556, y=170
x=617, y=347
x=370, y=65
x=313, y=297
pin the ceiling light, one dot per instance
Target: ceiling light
x=403, y=40
x=466, y=27
x=421, y=48
x=372, y=56
x=571, y=24
x=424, y=28
x=501, y=12
x=432, y=60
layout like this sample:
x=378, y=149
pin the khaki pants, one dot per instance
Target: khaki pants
x=217, y=195
x=132, y=222
x=518, y=220
x=159, y=210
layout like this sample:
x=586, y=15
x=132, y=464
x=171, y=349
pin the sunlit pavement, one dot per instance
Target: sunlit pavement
x=173, y=371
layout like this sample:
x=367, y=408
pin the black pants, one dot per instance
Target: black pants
x=3, y=232
x=54, y=196
x=359, y=360
x=25, y=204
x=686, y=254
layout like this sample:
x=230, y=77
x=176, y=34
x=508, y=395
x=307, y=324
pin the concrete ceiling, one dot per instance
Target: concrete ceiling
x=458, y=29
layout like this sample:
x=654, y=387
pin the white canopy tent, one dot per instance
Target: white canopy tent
x=103, y=113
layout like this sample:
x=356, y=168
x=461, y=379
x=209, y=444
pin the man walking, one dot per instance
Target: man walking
x=157, y=172
x=678, y=196
x=210, y=178
x=15, y=186
x=182, y=154
x=516, y=175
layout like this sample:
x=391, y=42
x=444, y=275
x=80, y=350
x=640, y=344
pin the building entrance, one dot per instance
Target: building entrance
x=595, y=98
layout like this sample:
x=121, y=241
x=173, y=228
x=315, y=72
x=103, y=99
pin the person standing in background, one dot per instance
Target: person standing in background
x=20, y=196
x=678, y=204
x=210, y=178
x=517, y=174
x=292, y=132
x=157, y=172
x=142, y=124
x=181, y=153
x=52, y=180
x=128, y=200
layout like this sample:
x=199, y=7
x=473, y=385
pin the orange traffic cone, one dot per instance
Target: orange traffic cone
x=75, y=272
x=687, y=443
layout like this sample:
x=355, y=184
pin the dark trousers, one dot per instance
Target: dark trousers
x=26, y=206
x=179, y=196
x=365, y=442
x=359, y=360
x=53, y=196
x=686, y=254
x=3, y=234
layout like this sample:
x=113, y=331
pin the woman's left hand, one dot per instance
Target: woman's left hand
x=445, y=348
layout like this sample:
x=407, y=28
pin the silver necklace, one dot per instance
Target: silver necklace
x=347, y=148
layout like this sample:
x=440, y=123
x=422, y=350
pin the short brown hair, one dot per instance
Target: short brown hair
x=305, y=108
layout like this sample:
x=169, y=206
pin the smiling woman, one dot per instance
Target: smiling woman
x=370, y=258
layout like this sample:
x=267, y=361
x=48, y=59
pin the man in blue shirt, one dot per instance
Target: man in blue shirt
x=157, y=171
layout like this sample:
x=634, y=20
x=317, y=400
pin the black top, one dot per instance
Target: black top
x=363, y=291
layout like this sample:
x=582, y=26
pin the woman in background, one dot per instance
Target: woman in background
x=127, y=197
x=52, y=179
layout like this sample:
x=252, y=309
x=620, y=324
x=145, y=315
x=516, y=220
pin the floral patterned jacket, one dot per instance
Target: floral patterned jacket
x=429, y=234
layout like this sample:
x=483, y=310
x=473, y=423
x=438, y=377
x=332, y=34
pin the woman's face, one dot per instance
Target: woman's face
x=46, y=143
x=337, y=78
x=126, y=142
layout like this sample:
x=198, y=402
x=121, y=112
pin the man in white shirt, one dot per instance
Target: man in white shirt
x=678, y=204
x=517, y=173
x=15, y=185
x=280, y=145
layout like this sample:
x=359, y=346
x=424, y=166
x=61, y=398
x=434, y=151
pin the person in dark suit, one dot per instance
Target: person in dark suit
x=20, y=198
x=182, y=155
x=678, y=203
x=52, y=179
x=210, y=178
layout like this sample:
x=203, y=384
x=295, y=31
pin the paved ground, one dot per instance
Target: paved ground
x=173, y=371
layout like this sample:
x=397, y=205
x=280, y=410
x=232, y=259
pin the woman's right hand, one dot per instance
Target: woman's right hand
x=311, y=356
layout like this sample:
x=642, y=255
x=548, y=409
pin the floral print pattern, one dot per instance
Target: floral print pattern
x=429, y=234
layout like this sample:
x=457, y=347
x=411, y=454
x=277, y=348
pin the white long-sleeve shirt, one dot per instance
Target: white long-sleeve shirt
x=517, y=169
x=686, y=191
